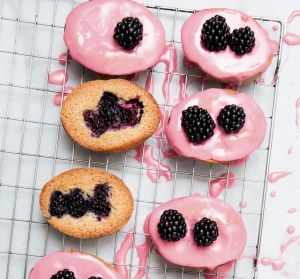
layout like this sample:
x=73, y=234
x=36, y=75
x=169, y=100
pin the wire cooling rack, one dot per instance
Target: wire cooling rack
x=34, y=146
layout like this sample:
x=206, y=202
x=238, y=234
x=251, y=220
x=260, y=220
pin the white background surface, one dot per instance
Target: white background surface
x=288, y=191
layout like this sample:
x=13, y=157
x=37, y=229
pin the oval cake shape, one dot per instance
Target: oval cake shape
x=89, y=35
x=110, y=115
x=228, y=246
x=220, y=146
x=86, y=203
x=74, y=264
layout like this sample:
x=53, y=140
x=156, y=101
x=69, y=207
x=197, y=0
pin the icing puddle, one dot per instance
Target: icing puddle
x=219, y=184
x=58, y=77
x=273, y=177
x=287, y=264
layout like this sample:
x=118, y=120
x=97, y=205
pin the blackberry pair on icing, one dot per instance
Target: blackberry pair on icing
x=67, y=274
x=216, y=36
x=199, y=125
x=172, y=227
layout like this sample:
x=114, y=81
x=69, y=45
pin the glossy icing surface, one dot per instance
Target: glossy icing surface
x=83, y=265
x=89, y=36
x=226, y=65
x=229, y=245
x=220, y=147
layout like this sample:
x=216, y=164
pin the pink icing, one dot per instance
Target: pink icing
x=221, y=270
x=226, y=65
x=145, y=155
x=58, y=77
x=275, y=27
x=291, y=39
x=83, y=265
x=273, y=194
x=217, y=185
x=63, y=59
x=229, y=245
x=273, y=177
x=89, y=36
x=298, y=112
x=260, y=80
x=221, y=147
x=292, y=210
x=57, y=100
x=290, y=229
x=276, y=264
x=243, y=204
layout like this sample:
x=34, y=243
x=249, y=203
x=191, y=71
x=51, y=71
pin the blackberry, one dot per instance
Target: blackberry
x=231, y=118
x=171, y=226
x=197, y=124
x=205, y=232
x=113, y=113
x=242, y=40
x=93, y=277
x=215, y=33
x=128, y=32
x=99, y=204
x=58, y=204
x=63, y=274
x=77, y=204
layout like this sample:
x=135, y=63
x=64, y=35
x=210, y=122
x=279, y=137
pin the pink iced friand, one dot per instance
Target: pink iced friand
x=221, y=147
x=228, y=247
x=83, y=265
x=89, y=34
x=226, y=65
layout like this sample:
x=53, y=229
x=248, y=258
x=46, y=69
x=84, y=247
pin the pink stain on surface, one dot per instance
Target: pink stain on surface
x=58, y=77
x=260, y=80
x=63, y=59
x=290, y=230
x=292, y=210
x=298, y=112
x=152, y=164
x=169, y=58
x=274, y=176
x=57, y=100
x=243, y=204
x=275, y=46
x=219, y=184
x=275, y=264
x=121, y=254
x=273, y=194
x=218, y=272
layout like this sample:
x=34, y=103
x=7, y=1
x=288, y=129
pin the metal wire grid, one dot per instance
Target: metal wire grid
x=164, y=270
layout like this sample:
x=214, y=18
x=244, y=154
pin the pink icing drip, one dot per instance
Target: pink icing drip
x=121, y=255
x=292, y=210
x=169, y=55
x=228, y=247
x=57, y=100
x=273, y=194
x=276, y=264
x=152, y=164
x=149, y=83
x=273, y=177
x=275, y=46
x=219, y=272
x=290, y=229
x=291, y=39
x=83, y=265
x=219, y=184
x=260, y=80
x=63, y=59
x=181, y=95
x=291, y=148
x=58, y=77
x=293, y=15
x=238, y=162
x=243, y=204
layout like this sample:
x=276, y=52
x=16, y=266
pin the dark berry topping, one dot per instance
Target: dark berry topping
x=58, y=204
x=231, y=118
x=242, y=40
x=205, y=232
x=171, y=226
x=77, y=204
x=197, y=124
x=113, y=113
x=215, y=33
x=63, y=274
x=99, y=204
x=129, y=32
